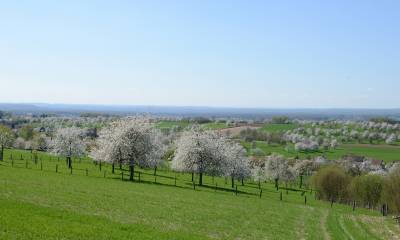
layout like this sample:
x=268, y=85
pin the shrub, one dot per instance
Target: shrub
x=280, y=120
x=391, y=192
x=367, y=189
x=201, y=120
x=332, y=183
x=258, y=152
x=26, y=132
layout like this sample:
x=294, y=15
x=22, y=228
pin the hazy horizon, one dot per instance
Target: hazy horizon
x=194, y=106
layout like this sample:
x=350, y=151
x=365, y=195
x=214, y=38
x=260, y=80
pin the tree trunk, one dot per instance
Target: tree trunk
x=242, y=182
x=192, y=176
x=233, y=182
x=1, y=153
x=69, y=162
x=120, y=159
x=276, y=184
x=155, y=171
x=201, y=179
x=113, y=168
x=131, y=169
x=301, y=181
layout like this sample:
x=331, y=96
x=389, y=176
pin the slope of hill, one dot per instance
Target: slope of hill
x=38, y=203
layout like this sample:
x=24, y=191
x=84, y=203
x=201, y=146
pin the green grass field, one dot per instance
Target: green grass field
x=382, y=152
x=214, y=126
x=272, y=127
x=38, y=203
x=171, y=124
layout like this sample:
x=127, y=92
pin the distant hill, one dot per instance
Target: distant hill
x=190, y=111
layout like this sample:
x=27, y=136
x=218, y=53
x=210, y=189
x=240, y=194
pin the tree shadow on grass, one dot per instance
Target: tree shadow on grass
x=187, y=185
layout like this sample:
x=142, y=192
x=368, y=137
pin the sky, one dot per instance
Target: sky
x=258, y=54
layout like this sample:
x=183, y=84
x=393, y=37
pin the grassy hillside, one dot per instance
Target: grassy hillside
x=43, y=204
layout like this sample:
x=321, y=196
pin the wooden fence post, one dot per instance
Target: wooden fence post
x=385, y=209
x=175, y=179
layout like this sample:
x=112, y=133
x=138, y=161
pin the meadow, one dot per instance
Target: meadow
x=36, y=202
x=168, y=124
x=277, y=127
x=381, y=152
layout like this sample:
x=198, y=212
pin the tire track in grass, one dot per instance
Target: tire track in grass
x=301, y=234
x=307, y=214
x=394, y=235
x=322, y=222
x=380, y=228
x=371, y=233
x=355, y=228
x=311, y=224
x=393, y=228
x=343, y=227
x=363, y=228
x=336, y=226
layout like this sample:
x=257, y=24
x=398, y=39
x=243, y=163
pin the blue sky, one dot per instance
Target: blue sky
x=272, y=54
